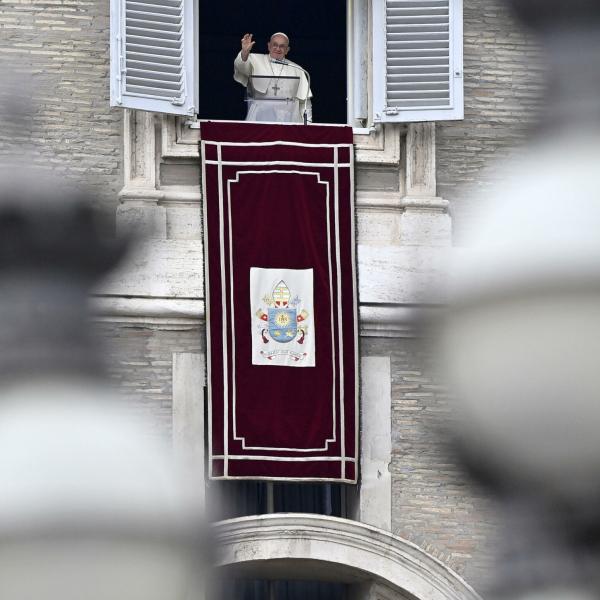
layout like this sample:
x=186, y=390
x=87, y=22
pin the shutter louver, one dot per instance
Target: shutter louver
x=154, y=55
x=422, y=60
x=418, y=53
x=154, y=49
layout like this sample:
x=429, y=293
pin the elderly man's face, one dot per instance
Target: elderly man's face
x=278, y=47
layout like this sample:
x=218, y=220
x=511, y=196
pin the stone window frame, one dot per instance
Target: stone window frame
x=369, y=502
x=366, y=60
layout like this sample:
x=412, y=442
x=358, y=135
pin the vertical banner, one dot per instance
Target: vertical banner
x=281, y=301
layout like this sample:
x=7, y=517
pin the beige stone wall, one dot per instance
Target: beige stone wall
x=61, y=48
x=504, y=94
x=434, y=504
x=139, y=360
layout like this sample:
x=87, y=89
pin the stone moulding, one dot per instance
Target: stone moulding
x=303, y=545
x=381, y=145
x=374, y=321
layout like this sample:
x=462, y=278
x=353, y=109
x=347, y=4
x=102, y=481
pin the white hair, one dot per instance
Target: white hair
x=281, y=34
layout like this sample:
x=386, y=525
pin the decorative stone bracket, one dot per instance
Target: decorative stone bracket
x=139, y=211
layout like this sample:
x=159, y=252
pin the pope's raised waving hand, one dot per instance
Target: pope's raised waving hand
x=247, y=43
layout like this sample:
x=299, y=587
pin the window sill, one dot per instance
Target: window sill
x=374, y=145
x=195, y=124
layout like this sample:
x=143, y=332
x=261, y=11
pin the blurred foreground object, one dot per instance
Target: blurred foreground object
x=90, y=503
x=522, y=341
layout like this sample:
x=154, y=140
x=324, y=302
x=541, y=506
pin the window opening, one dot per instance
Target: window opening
x=317, y=32
x=232, y=499
x=241, y=589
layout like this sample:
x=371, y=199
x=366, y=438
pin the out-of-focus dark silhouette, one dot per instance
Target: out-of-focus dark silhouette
x=522, y=338
x=91, y=504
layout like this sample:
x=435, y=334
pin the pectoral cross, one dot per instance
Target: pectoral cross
x=276, y=88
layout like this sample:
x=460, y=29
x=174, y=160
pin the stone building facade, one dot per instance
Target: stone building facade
x=415, y=183
x=62, y=48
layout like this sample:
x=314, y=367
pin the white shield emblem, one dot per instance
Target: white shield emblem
x=281, y=301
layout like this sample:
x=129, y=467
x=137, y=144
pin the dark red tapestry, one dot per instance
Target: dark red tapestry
x=281, y=301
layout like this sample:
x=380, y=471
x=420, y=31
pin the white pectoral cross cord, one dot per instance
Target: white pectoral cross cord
x=276, y=86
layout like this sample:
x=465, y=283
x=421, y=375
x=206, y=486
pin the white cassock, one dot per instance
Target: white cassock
x=278, y=93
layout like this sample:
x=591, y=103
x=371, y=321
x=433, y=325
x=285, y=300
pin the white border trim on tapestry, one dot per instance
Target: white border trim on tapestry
x=207, y=311
x=276, y=163
x=355, y=310
x=282, y=458
x=343, y=459
x=234, y=390
x=278, y=143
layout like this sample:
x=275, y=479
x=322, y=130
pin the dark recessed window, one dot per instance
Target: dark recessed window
x=232, y=499
x=317, y=31
x=240, y=589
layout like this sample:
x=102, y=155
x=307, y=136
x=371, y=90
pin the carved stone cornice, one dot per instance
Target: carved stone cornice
x=316, y=546
x=383, y=321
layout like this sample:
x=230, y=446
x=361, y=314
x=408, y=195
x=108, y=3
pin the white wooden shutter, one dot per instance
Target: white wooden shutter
x=154, y=55
x=417, y=60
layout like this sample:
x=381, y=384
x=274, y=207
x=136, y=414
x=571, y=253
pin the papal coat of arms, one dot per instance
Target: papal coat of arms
x=284, y=321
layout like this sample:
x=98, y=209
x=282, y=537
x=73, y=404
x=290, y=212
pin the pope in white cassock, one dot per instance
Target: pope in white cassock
x=278, y=89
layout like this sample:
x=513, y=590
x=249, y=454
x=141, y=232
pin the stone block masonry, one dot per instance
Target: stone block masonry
x=139, y=359
x=504, y=78
x=433, y=503
x=61, y=48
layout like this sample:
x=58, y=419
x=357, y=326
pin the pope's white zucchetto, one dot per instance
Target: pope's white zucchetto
x=281, y=34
